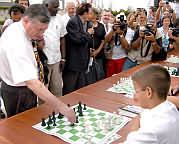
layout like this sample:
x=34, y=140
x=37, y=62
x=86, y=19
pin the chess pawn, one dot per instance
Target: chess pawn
x=118, y=120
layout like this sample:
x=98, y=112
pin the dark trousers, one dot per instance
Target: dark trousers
x=17, y=99
x=73, y=81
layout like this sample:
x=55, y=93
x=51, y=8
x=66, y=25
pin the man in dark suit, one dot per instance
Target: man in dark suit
x=78, y=52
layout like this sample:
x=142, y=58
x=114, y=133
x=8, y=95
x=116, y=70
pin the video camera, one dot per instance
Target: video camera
x=148, y=30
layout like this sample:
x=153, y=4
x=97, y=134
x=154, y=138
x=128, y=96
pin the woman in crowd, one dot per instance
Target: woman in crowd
x=164, y=31
x=96, y=45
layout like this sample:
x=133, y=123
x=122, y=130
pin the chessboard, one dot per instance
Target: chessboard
x=124, y=86
x=173, y=59
x=92, y=126
x=173, y=71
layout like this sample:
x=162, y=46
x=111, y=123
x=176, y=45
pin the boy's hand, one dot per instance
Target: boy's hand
x=135, y=124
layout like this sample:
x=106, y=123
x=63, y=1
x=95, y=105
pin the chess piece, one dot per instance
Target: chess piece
x=84, y=107
x=53, y=116
x=72, y=125
x=54, y=122
x=80, y=112
x=79, y=105
x=48, y=125
x=68, y=105
x=74, y=110
x=43, y=122
x=60, y=116
x=50, y=119
x=172, y=93
x=77, y=119
x=177, y=73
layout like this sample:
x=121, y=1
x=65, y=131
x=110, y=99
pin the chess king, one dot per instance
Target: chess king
x=158, y=124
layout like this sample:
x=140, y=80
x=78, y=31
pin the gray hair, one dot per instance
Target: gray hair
x=48, y=2
x=38, y=12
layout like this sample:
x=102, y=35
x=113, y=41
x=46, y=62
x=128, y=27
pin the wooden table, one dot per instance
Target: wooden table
x=18, y=129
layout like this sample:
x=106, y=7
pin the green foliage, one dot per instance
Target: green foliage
x=4, y=7
x=127, y=12
x=2, y=22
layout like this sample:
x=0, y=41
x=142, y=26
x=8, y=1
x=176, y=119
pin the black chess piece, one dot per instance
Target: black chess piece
x=84, y=107
x=74, y=110
x=60, y=116
x=80, y=112
x=79, y=107
x=79, y=104
x=172, y=93
x=53, y=116
x=68, y=105
x=177, y=72
x=50, y=119
x=54, y=122
x=43, y=122
x=77, y=121
x=48, y=125
x=72, y=124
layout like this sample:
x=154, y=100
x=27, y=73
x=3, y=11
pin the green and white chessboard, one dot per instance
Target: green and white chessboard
x=95, y=127
x=124, y=86
x=172, y=71
x=173, y=59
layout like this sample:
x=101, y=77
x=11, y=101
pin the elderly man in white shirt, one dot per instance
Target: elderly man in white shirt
x=70, y=11
x=105, y=20
x=55, y=47
x=19, y=65
x=159, y=123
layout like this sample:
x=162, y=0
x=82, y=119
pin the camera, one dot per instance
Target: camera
x=175, y=32
x=148, y=29
x=121, y=25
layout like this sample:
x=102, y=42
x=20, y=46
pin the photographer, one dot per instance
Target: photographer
x=116, y=54
x=148, y=40
x=131, y=60
x=174, y=34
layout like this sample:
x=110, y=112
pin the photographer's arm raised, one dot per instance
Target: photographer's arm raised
x=124, y=42
x=136, y=43
x=109, y=36
x=155, y=42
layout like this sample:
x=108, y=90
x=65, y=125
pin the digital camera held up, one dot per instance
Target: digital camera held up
x=148, y=29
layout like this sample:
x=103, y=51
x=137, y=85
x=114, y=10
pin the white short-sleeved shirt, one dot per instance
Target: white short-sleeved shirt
x=66, y=18
x=17, y=59
x=159, y=125
x=52, y=35
x=8, y=22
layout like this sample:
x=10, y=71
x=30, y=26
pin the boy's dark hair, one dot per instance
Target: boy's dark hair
x=84, y=7
x=17, y=1
x=154, y=76
x=16, y=8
